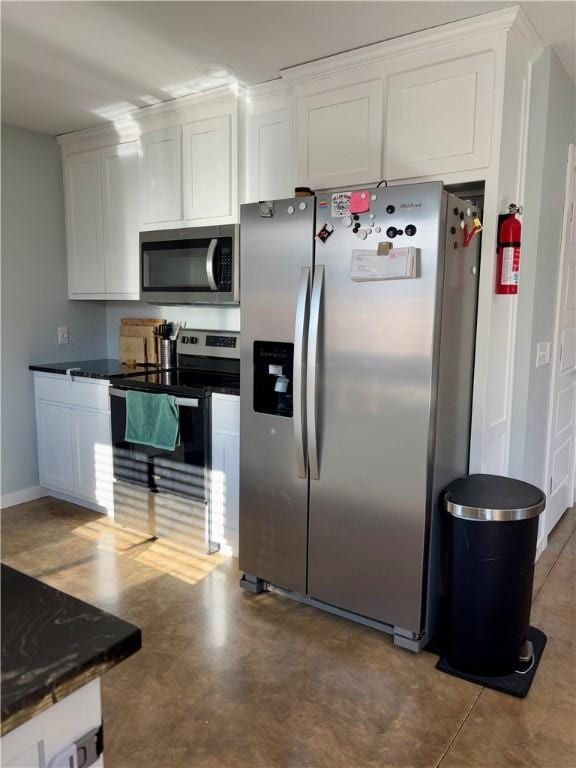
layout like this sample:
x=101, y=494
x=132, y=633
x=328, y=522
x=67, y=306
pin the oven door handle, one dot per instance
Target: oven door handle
x=210, y=264
x=182, y=402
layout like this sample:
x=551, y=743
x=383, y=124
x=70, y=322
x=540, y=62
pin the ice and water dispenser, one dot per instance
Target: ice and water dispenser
x=273, y=364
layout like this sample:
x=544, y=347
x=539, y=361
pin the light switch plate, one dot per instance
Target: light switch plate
x=543, y=353
x=63, y=335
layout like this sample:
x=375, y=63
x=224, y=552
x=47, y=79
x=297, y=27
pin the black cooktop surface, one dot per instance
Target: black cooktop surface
x=184, y=382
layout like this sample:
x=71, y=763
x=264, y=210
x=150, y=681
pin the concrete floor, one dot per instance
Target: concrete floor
x=229, y=680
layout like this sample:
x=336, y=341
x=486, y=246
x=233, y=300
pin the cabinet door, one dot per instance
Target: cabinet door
x=54, y=435
x=207, y=168
x=270, y=171
x=161, y=178
x=339, y=139
x=92, y=455
x=225, y=488
x=84, y=223
x=440, y=117
x=120, y=217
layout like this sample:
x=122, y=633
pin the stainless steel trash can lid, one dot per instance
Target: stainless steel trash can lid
x=493, y=497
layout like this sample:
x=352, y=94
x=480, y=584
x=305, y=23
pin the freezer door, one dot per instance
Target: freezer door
x=276, y=265
x=374, y=383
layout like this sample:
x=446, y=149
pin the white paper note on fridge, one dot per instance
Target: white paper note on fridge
x=397, y=264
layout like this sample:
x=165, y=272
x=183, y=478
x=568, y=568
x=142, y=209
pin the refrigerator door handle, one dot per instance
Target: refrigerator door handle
x=312, y=373
x=300, y=329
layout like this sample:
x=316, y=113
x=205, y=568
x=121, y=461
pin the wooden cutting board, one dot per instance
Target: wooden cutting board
x=141, y=329
x=132, y=350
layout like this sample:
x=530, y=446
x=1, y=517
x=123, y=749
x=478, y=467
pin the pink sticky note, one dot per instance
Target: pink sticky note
x=359, y=202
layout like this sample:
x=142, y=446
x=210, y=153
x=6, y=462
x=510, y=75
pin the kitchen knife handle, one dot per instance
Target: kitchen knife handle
x=312, y=373
x=210, y=265
x=300, y=329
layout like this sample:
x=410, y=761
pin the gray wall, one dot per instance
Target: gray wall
x=552, y=128
x=34, y=302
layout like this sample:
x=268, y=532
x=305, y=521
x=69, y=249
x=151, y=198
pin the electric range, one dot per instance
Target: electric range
x=163, y=492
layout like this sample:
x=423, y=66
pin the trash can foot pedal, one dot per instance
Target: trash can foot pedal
x=519, y=682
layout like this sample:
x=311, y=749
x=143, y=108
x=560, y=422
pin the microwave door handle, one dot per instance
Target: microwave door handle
x=210, y=264
x=312, y=373
x=300, y=328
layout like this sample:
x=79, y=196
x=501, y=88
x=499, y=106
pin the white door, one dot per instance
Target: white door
x=562, y=428
x=120, y=217
x=54, y=446
x=339, y=137
x=92, y=455
x=270, y=171
x=84, y=223
x=161, y=177
x=207, y=168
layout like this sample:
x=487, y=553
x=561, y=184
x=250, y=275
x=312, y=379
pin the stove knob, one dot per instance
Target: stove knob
x=392, y=232
x=185, y=340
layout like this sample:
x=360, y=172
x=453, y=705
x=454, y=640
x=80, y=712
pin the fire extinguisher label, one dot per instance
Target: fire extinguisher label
x=510, y=266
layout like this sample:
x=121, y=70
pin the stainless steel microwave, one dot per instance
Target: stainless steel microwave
x=196, y=265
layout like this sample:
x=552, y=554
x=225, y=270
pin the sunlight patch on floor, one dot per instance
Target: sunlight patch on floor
x=189, y=564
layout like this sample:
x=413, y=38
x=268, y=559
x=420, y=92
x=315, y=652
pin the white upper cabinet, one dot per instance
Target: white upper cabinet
x=102, y=222
x=120, y=217
x=440, y=117
x=161, y=176
x=207, y=168
x=84, y=223
x=339, y=136
x=269, y=151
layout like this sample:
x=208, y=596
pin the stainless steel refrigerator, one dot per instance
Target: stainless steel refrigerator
x=358, y=318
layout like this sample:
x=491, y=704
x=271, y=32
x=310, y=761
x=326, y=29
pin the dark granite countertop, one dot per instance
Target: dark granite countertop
x=104, y=368
x=53, y=644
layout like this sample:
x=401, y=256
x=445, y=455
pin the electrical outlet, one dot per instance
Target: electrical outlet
x=63, y=336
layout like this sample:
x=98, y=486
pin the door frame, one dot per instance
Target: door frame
x=556, y=345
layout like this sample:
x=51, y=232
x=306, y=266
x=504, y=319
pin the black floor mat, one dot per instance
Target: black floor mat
x=518, y=684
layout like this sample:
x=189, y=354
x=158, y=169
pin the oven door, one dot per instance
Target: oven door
x=143, y=475
x=188, y=266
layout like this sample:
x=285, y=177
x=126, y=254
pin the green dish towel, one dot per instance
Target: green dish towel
x=152, y=419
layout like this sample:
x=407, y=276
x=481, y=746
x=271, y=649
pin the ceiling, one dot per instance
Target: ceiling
x=70, y=65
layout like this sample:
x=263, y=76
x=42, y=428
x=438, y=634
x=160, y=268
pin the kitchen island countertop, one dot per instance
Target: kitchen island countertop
x=52, y=644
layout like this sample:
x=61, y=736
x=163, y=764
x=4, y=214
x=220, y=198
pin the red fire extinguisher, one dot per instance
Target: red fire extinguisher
x=508, y=251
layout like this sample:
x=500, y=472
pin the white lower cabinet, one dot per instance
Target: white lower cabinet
x=92, y=459
x=74, y=440
x=42, y=740
x=225, y=494
x=54, y=445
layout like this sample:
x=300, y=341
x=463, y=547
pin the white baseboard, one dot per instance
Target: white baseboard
x=80, y=501
x=21, y=497
x=541, y=546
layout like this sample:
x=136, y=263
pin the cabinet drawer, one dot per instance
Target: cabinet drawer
x=226, y=413
x=81, y=393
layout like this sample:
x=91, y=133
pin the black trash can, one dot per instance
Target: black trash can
x=492, y=534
